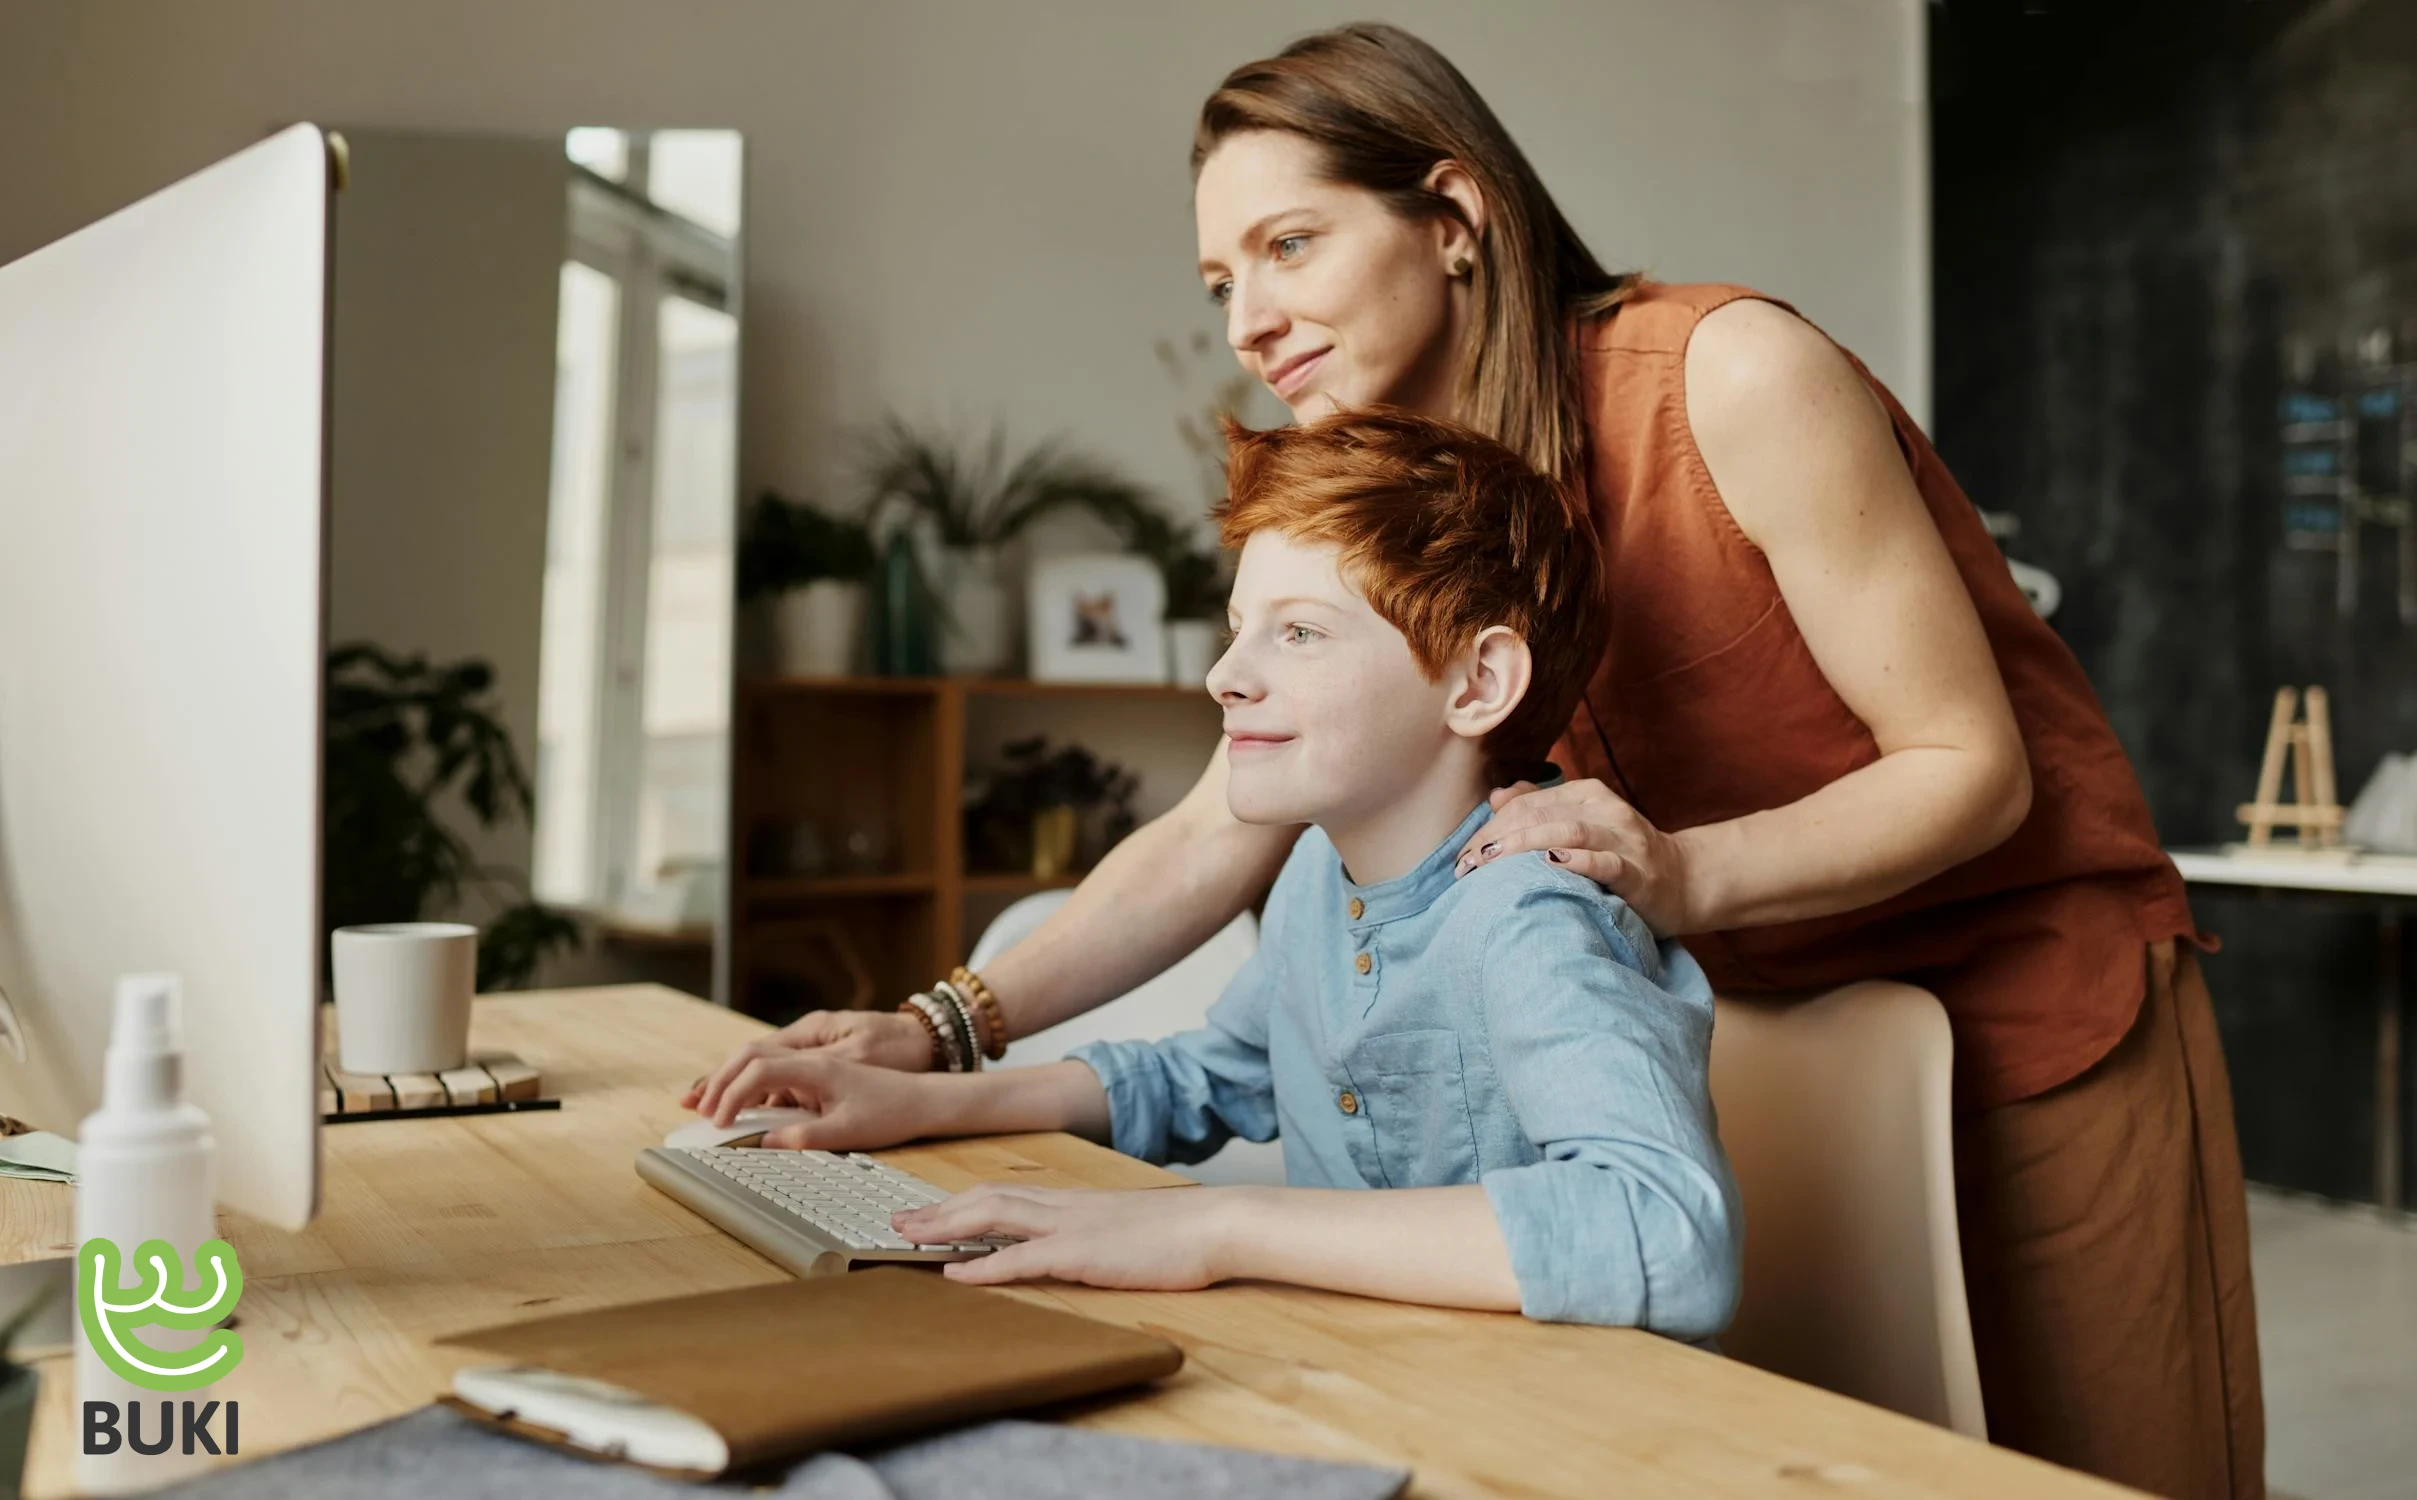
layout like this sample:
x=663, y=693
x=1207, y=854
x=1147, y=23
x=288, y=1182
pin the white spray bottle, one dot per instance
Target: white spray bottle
x=145, y=1170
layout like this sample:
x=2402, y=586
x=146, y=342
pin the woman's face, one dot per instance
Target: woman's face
x=1330, y=298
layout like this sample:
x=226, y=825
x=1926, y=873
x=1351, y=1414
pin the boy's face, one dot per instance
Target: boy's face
x=1328, y=717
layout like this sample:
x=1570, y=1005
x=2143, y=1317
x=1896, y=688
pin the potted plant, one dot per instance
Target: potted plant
x=1197, y=577
x=19, y=1386
x=809, y=568
x=1197, y=585
x=1048, y=811
x=404, y=737
x=977, y=505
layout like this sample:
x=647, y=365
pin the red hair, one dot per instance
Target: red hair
x=1447, y=534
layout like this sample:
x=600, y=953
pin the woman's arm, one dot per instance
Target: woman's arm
x=1152, y=899
x=1805, y=459
x=1155, y=897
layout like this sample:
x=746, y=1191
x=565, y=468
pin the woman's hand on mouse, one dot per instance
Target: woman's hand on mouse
x=858, y=1107
x=885, y=1039
x=1586, y=827
x=1150, y=1239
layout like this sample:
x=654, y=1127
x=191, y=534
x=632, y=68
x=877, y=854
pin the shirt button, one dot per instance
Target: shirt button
x=1349, y=1102
x=1363, y=963
x=1358, y=908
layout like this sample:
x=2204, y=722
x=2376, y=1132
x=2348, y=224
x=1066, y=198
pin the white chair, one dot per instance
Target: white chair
x=1834, y=1111
x=1176, y=1000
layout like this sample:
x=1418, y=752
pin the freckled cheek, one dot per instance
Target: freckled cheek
x=1356, y=721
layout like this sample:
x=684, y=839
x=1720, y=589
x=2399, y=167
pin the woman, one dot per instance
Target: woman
x=1827, y=740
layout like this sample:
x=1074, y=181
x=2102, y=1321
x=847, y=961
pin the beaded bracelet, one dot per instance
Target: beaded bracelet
x=932, y=1029
x=986, y=1006
x=935, y=1013
x=961, y=1017
x=953, y=990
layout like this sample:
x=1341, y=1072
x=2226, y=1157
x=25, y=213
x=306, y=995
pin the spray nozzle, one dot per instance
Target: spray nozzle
x=145, y=1065
x=149, y=1019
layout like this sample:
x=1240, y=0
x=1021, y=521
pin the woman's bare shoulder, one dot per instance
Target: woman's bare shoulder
x=1772, y=404
x=1750, y=354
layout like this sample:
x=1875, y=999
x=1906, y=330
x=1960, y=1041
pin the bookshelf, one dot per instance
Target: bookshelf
x=877, y=767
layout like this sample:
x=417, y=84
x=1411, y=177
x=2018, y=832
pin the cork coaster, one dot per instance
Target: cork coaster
x=490, y=1082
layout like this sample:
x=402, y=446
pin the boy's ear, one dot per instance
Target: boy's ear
x=1490, y=679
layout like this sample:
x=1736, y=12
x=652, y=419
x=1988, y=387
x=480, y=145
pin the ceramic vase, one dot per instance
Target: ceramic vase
x=1191, y=651
x=903, y=644
x=978, y=637
x=1055, y=831
x=820, y=628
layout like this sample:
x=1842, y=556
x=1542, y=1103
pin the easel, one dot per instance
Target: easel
x=2308, y=745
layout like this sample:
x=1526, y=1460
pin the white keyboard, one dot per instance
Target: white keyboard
x=812, y=1211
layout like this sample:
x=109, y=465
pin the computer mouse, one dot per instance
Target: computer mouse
x=747, y=1130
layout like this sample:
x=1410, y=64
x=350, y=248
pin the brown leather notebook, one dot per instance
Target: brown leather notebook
x=781, y=1371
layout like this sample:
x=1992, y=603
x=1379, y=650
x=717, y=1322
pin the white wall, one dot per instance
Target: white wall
x=965, y=210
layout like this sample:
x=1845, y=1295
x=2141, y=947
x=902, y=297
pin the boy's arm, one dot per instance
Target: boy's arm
x=1604, y=1053
x=1432, y=1245
x=858, y=1107
x=1439, y=1246
x=1178, y=1099
x=1181, y=1098
x=1055, y=1096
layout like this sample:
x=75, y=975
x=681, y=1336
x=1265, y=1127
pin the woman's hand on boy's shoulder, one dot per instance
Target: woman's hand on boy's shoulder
x=1588, y=829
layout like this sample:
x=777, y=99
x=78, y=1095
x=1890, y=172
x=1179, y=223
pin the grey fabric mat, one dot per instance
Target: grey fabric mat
x=436, y=1452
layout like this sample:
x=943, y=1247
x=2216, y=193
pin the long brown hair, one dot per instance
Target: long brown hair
x=1385, y=108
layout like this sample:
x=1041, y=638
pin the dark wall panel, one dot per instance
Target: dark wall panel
x=2153, y=222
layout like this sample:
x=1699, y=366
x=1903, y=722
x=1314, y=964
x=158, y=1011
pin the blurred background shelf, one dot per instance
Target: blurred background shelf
x=808, y=887
x=970, y=687
x=877, y=768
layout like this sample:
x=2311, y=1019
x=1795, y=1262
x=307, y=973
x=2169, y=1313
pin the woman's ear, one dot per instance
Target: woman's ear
x=1460, y=240
x=1492, y=677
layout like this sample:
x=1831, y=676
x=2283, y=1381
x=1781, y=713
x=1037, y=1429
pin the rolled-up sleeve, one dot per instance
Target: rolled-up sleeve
x=1180, y=1099
x=1631, y=1218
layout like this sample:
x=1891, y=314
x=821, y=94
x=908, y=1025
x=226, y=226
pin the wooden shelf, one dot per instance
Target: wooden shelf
x=889, y=754
x=970, y=687
x=637, y=935
x=841, y=687
x=810, y=887
x=1008, y=687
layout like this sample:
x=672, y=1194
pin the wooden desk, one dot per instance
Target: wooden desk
x=2383, y=883
x=431, y=1227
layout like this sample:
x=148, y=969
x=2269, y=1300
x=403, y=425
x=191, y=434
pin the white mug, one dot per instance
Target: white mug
x=403, y=996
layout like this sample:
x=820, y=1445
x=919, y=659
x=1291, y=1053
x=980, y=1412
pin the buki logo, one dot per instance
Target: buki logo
x=113, y=1315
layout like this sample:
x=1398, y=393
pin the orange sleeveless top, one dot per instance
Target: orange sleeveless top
x=1707, y=705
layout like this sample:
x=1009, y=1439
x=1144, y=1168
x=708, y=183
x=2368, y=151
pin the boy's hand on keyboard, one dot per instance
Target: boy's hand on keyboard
x=860, y=1107
x=1149, y=1239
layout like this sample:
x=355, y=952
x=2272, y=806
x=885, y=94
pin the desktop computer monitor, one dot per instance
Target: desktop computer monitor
x=162, y=509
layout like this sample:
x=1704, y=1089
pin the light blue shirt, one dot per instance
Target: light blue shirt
x=1519, y=1028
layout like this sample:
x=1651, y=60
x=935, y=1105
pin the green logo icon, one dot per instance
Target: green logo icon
x=110, y=1325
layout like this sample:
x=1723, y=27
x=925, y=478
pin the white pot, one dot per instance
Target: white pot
x=1191, y=651
x=820, y=628
x=977, y=638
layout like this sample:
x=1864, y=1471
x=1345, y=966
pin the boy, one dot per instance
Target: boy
x=1511, y=1054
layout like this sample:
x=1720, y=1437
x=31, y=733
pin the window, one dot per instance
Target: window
x=635, y=666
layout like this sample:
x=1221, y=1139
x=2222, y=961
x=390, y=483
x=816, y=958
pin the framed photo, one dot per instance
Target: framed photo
x=1096, y=617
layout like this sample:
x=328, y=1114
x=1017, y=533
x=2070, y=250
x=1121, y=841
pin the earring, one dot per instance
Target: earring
x=1460, y=269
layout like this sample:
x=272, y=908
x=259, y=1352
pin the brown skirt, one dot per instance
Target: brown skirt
x=2106, y=1258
